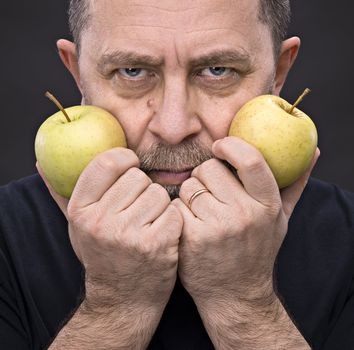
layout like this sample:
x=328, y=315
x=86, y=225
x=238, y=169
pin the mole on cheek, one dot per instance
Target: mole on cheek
x=150, y=102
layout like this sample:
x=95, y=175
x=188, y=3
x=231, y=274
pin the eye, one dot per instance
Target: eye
x=216, y=71
x=132, y=72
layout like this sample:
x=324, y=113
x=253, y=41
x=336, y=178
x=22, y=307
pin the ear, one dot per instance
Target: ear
x=68, y=54
x=286, y=59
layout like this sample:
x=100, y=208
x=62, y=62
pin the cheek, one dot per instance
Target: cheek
x=132, y=114
x=217, y=113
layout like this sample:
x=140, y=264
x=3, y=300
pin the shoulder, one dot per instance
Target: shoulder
x=28, y=202
x=321, y=229
x=315, y=264
x=31, y=223
x=37, y=254
x=323, y=195
x=326, y=213
x=28, y=212
x=26, y=190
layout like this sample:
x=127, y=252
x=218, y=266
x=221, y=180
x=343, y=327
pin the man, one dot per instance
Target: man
x=161, y=246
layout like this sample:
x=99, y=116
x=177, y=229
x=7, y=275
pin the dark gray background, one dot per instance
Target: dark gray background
x=30, y=65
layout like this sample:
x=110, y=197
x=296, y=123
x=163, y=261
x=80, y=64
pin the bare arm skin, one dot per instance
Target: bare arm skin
x=259, y=325
x=125, y=231
x=231, y=237
x=108, y=328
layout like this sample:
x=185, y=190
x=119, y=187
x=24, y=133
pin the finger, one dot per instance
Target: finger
x=149, y=205
x=203, y=205
x=187, y=216
x=125, y=190
x=292, y=194
x=61, y=201
x=100, y=174
x=168, y=225
x=253, y=170
x=219, y=180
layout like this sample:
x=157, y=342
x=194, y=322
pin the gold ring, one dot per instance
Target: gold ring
x=195, y=195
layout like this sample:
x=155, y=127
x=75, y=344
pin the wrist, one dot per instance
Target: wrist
x=111, y=307
x=247, y=296
x=105, y=296
x=250, y=324
x=241, y=311
x=106, y=328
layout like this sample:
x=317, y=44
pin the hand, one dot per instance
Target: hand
x=125, y=232
x=232, y=234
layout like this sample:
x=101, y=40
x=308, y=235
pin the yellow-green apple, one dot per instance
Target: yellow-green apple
x=285, y=136
x=65, y=144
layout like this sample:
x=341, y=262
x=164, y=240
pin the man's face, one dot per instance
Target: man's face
x=174, y=73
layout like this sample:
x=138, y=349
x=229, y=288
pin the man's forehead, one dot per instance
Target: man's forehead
x=173, y=30
x=173, y=5
x=171, y=13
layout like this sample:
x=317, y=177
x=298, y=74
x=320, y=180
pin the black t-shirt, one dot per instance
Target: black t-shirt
x=41, y=280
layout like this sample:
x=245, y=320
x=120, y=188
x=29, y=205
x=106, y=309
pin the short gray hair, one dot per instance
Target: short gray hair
x=274, y=13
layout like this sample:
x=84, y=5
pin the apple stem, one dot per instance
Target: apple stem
x=58, y=104
x=306, y=92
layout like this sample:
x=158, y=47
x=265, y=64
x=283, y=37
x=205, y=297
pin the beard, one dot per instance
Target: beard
x=173, y=158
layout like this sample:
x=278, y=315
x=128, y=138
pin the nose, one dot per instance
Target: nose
x=174, y=118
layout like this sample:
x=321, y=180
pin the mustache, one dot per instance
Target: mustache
x=174, y=158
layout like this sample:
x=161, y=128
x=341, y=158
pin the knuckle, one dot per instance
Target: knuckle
x=185, y=185
x=73, y=212
x=224, y=224
x=92, y=222
x=127, y=154
x=158, y=192
x=210, y=164
x=102, y=230
x=106, y=162
x=188, y=185
x=145, y=247
x=116, y=159
x=173, y=212
x=137, y=175
x=222, y=219
x=153, y=246
x=253, y=163
x=245, y=222
x=212, y=168
x=275, y=210
x=206, y=166
x=94, y=229
x=174, y=216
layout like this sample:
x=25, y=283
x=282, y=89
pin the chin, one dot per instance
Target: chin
x=172, y=190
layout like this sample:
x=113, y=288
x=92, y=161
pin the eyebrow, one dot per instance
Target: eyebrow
x=222, y=57
x=128, y=59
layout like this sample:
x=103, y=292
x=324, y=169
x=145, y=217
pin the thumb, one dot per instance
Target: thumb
x=61, y=201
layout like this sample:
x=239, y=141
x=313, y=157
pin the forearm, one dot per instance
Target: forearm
x=119, y=328
x=246, y=325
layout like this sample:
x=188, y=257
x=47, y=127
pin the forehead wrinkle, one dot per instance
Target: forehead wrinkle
x=143, y=26
x=126, y=12
x=207, y=30
x=164, y=9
